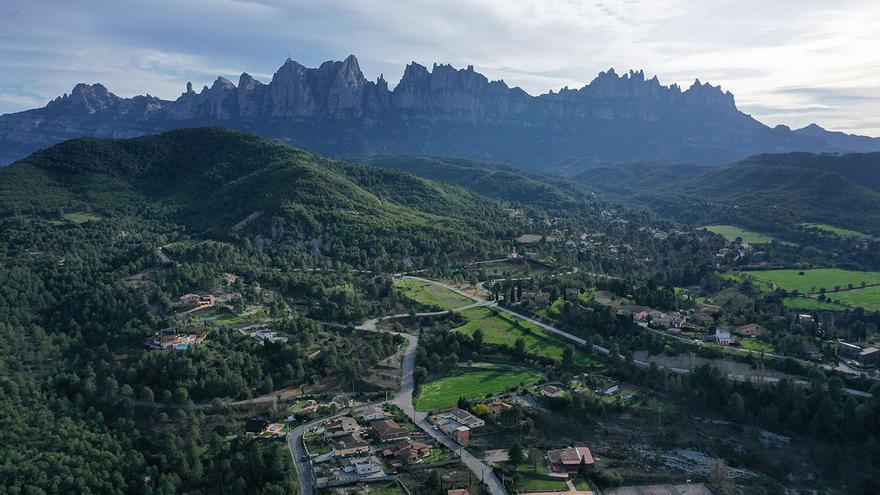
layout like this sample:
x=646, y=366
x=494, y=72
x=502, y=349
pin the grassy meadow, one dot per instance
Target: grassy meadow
x=431, y=294
x=731, y=232
x=474, y=383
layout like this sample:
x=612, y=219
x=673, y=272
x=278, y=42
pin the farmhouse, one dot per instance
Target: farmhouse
x=387, y=430
x=567, y=460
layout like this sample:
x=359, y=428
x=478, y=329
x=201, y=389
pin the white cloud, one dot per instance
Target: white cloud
x=757, y=49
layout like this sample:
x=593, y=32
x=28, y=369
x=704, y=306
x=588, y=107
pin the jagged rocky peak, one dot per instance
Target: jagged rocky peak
x=89, y=97
x=708, y=95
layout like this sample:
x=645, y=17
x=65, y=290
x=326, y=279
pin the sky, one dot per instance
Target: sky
x=790, y=62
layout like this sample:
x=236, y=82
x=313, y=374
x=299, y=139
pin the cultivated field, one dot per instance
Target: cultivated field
x=731, y=232
x=474, y=383
x=431, y=294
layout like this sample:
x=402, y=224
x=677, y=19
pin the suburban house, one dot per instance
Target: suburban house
x=567, y=460
x=464, y=418
x=752, y=330
x=498, y=406
x=255, y=426
x=722, y=336
x=349, y=445
x=361, y=465
x=387, y=430
x=170, y=339
x=552, y=391
x=340, y=401
x=338, y=427
x=195, y=300
x=373, y=413
x=407, y=454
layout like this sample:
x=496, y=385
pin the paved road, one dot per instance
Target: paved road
x=404, y=400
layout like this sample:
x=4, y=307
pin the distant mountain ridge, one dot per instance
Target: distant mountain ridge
x=333, y=109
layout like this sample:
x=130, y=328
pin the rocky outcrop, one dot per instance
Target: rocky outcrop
x=335, y=110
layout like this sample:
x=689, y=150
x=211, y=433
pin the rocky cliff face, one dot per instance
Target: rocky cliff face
x=334, y=109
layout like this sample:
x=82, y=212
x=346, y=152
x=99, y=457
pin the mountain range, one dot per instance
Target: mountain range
x=334, y=110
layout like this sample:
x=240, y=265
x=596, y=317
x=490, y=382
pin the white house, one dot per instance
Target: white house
x=373, y=413
x=361, y=465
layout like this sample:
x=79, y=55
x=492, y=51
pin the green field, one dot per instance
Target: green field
x=813, y=280
x=81, y=217
x=474, y=383
x=431, y=294
x=810, y=303
x=505, y=329
x=757, y=345
x=834, y=230
x=731, y=232
x=868, y=298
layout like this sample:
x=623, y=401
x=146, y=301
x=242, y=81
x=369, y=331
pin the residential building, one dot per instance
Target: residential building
x=870, y=356
x=373, y=413
x=255, y=426
x=340, y=426
x=752, y=330
x=349, y=445
x=388, y=430
x=847, y=350
x=363, y=466
x=407, y=454
x=170, y=339
x=462, y=435
x=464, y=418
x=552, y=391
x=567, y=460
